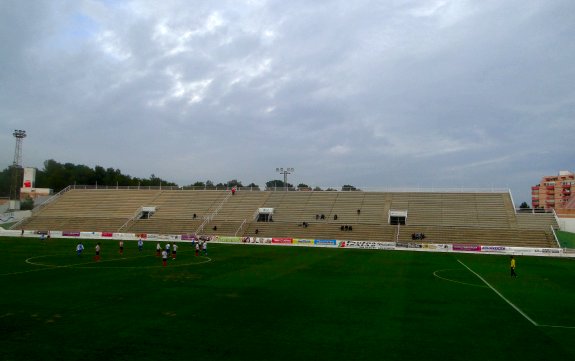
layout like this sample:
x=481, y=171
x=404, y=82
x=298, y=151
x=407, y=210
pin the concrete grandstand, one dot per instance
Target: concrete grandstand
x=487, y=218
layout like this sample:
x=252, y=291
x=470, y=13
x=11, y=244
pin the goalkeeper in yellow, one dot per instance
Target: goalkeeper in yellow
x=513, y=274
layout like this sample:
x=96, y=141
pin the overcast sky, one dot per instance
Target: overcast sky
x=387, y=93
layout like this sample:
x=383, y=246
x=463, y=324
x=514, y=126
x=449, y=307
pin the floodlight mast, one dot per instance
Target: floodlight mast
x=19, y=134
x=285, y=172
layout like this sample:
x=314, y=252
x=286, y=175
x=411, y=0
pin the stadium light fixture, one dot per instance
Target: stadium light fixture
x=285, y=172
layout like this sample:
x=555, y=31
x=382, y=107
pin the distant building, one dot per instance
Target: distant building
x=553, y=192
x=29, y=189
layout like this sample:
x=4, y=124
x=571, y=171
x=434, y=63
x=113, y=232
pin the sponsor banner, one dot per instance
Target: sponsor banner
x=325, y=242
x=70, y=234
x=492, y=249
x=123, y=236
x=188, y=237
x=256, y=240
x=90, y=235
x=305, y=242
x=282, y=240
x=466, y=248
x=141, y=235
x=162, y=237
x=41, y=232
x=549, y=250
x=535, y=251
x=437, y=246
x=367, y=244
x=408, y=245
x=226, y=239
x=107, y=234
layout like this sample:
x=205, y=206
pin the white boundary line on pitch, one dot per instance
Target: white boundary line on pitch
x=84, y=264
x=436, y=274
x=509, y=302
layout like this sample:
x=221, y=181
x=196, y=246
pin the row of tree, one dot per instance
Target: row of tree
x=58, y=176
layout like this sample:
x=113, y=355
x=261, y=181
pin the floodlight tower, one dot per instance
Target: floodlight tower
x=285, y=172
x=17, y=165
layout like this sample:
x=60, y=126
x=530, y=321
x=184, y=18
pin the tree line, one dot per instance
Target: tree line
x=58, y=176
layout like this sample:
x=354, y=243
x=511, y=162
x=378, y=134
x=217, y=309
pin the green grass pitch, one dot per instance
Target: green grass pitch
x=280, y=303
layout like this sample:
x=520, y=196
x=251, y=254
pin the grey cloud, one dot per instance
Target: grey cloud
x=371, y=93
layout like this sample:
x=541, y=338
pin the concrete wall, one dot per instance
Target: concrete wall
x=567, y=224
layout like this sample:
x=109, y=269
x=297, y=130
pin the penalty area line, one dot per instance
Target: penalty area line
x=500, y=295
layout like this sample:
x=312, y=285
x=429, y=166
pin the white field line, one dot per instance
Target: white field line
x=500, y=295
x=511, y=304
x=79, y=265
x=436, y=274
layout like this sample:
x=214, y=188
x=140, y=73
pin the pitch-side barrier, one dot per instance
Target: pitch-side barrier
x=428, y=246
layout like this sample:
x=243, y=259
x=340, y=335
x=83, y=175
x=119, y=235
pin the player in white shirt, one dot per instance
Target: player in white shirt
x=174, y=250
x=97, y=258
x=164, y=257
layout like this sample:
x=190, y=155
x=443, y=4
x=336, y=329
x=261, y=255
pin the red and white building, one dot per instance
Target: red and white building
x=553, y=192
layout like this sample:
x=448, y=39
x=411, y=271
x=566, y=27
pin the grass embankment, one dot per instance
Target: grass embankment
x=566, y=239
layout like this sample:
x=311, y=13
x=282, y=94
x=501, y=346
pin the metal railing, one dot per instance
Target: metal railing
x=214, y=213
x=240, y=227
x=131, y=219
x=555, y=236
x=43, y=205
x=309, y=189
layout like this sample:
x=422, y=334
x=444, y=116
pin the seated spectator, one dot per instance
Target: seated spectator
x=335, y=217
x=342, y=227
x=358, y=211
x=350, y=228
x=194, y=216
x=257, y=231
x=215, y=228
x=322, y=216
x=346, y=228
x=316, y=217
